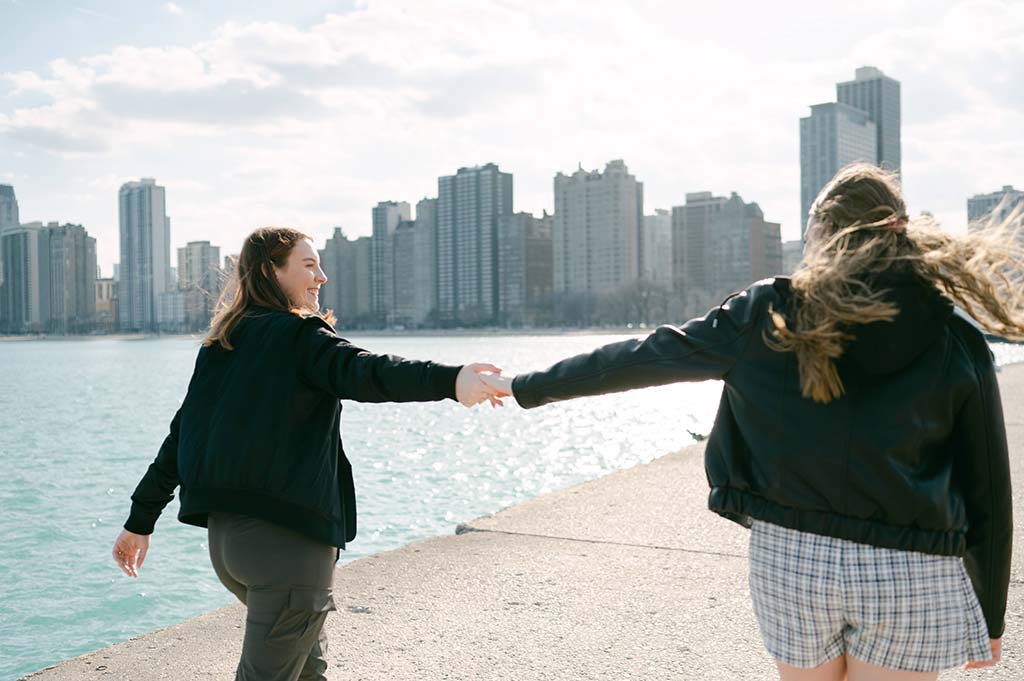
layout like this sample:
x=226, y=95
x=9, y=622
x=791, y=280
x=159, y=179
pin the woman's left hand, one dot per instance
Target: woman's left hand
x=129, y=552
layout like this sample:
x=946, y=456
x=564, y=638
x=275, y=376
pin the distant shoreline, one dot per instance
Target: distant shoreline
x=425, y=333
x=418, y=333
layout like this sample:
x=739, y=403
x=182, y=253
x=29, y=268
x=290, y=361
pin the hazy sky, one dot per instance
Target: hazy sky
x=308, y=113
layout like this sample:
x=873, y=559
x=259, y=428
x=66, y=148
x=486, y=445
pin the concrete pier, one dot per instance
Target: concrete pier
x=625, y=577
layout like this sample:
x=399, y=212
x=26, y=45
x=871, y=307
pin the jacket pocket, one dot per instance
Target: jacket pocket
x=302, y=616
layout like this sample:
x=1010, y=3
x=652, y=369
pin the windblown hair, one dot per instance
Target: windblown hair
x=858, y=227
x=254, y=283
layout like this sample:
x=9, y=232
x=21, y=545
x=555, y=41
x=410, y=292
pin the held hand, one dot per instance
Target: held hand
x=498, y=383
x=470, y=390
x=129, y=552
x=997, y=652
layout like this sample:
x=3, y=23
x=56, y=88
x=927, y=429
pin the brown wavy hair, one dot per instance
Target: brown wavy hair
x=253, y=283
x=858, y=225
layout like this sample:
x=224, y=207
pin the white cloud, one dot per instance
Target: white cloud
x=172, y=8
x=313, y=125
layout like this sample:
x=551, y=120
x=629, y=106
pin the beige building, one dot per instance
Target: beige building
x=596, y=230
x=106, y=305
x=201, y=280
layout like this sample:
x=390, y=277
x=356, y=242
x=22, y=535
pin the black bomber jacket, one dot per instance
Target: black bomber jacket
x=258, y=432
x=913, y=455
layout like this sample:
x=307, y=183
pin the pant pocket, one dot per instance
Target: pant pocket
x=302, y=615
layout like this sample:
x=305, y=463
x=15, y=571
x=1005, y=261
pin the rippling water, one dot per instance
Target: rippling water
x=81, y=420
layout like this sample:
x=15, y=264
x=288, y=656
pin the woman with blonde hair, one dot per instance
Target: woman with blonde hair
x=860, y=434
x=256, y=450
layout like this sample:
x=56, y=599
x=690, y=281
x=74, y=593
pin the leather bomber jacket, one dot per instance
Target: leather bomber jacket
x=912, y=456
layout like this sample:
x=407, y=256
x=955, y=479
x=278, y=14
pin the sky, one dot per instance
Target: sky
x=306, y=114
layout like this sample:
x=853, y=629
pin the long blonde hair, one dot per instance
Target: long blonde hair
x=858, y=226
x=254, y=284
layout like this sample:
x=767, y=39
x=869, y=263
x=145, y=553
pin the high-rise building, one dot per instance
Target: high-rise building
x=201, y=280
x=72, y=279
x=424, y=271
x=721, y=245
x=362, y=259
x=347, y=293
x=9, y=218
x=404, y=249
x=106, y=305
x=744, y=247
x=25, y=294
x=691, y=242
x=525, y=269
x=337, y=259
x=833, y=136
x=386, y=216
x=596, y=230
x=170, y=311
x=469, y=204
x=879, y=95
x=982, y=206
x=145, y=260
x=792, y=255
x=656, y=263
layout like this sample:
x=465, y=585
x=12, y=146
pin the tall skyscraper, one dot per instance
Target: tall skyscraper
x=386, y=216
x=72, y=279
x=469, y=204
x=201, y=280
x=145, y=271
x=834, y=135
x=525, y=269
x=862, y=125
x=656, y=263
x=424, y=272
x=25, y=294
x=879, y=95
x=9, y=218
x=982, y=206
x=596, y=230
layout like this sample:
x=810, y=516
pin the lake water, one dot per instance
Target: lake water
x=80, y=421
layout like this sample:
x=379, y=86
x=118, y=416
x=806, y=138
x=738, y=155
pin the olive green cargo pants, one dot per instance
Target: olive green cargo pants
x=285, y=581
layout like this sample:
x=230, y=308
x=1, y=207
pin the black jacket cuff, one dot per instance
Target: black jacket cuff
x=443, y=379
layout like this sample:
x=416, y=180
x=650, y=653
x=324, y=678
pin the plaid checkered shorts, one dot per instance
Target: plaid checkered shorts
x=818, y=597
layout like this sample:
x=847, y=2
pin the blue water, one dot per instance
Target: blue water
x=81, y=420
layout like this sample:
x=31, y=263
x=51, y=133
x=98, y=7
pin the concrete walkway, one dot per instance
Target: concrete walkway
x=625, y=577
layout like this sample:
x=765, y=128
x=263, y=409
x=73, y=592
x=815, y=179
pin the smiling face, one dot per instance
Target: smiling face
x=301, y=277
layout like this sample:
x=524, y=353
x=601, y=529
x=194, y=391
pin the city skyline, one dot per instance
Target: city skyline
x=255, y=114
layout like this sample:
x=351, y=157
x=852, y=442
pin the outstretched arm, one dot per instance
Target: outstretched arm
x=334, y=365
x=703, y=348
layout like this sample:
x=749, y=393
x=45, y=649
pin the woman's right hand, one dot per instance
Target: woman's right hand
x=499, y=383
x=471, y=390
x=997, y=653
x=129, y=552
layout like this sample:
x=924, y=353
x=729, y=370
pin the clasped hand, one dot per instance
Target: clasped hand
x=479, y=382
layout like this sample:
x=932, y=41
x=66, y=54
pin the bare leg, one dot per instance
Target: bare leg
x=862, y=671
x=834, y=670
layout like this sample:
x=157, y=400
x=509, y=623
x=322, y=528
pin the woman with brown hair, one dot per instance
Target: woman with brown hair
x=256, y=450
x=860, y=434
